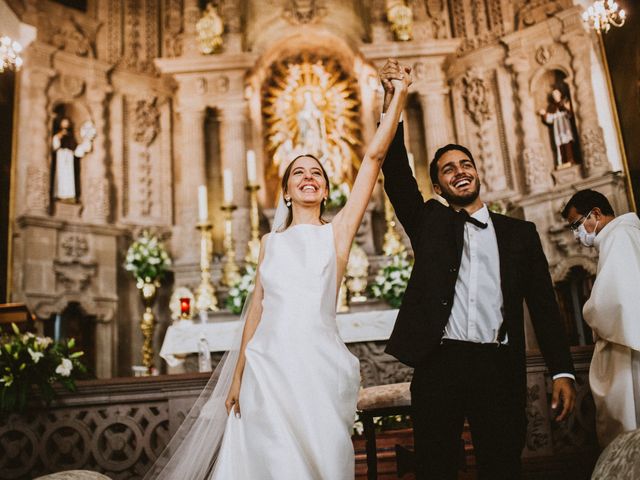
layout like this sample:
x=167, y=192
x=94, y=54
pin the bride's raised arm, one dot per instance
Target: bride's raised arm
x=347, y=221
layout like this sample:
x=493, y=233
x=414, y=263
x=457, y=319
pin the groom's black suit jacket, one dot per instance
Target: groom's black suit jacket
x=437, y=235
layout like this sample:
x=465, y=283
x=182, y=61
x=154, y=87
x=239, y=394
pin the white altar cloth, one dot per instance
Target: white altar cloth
x=182, y=337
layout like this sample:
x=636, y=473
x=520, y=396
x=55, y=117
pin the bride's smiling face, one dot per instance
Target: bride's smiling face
x=307, y=182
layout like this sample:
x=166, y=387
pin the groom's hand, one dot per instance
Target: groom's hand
x=392, y=70
x=564, y=395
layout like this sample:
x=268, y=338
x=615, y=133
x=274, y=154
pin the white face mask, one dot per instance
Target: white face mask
x=586, y=238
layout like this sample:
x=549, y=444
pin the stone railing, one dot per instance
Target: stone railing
x=119, y=426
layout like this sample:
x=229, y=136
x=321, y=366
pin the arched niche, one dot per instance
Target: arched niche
x=555, y=107
x=572, y=291
x=277, y=139
x=68, y=131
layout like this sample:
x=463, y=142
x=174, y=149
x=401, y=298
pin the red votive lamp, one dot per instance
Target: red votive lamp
x=185, y=307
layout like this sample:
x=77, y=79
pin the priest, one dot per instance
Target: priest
x=612, y=311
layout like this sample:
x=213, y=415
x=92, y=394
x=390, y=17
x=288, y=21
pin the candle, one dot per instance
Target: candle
x=251, y=167
x=203, y=207
x=227, y=184
x=185, y=307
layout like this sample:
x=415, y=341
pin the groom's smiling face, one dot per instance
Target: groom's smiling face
x=458, y=181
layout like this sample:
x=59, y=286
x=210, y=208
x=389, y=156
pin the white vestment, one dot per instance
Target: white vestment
x=613, y=312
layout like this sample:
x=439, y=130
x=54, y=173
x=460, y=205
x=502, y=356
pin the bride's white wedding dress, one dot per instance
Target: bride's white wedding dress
x=300, y=382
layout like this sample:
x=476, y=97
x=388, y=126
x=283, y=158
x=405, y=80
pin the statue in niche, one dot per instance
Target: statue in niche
x=311, y=130
x=559, y=116
x=65, y=163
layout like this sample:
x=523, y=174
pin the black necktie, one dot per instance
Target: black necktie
x=473, y=221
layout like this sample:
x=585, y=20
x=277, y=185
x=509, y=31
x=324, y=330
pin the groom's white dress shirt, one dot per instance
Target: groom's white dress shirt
x=476, y=314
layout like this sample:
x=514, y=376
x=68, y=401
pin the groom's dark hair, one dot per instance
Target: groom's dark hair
x=433, y=167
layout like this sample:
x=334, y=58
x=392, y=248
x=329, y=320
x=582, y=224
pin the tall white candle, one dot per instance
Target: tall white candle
x=227, y=184
x=251, y=167
x=203, y=204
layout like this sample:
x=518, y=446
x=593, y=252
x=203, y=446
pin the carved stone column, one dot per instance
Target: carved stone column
x=432, y=95
x=192, y=174
x=36, y=140
x=96, y=196
x=233, y=118
x=191, y=17
x=591, y=135
x=536, y=171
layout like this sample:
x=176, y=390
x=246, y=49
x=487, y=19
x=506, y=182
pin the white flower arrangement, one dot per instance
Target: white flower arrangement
x=240, y=290
x=29, y=362
x=338, y=195
x=392, y=279
x=147, y=259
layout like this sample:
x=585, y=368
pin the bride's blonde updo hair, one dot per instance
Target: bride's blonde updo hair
x=285, y=182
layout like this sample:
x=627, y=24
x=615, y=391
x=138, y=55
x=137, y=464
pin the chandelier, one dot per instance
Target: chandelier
x=9, y=54
x=602, y=14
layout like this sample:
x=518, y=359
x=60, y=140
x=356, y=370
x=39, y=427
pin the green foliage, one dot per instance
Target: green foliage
x=28, y=361
x=147, y=259
x=392, y=279
x=238, y=293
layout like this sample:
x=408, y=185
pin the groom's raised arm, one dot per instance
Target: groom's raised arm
x=400, y=184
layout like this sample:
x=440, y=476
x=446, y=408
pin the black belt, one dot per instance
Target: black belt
x=450, y=343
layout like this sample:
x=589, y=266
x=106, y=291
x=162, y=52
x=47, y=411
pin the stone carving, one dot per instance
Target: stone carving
x=536, y=175
x=400, y=16
x=67, y=34
x=146, y=120
x=478, y=99
x=436, y=11
x=537, y=436
x=74, y=276
x=74, y=246
x=38, y=191
x=591, y=137
x=173, y=30
x=222, y=84
x=594, y=151
x=535, y=11
x=378, y=367
x=304, y=11
x=478, y=22
x=543, y=54
x=146, y=126
x=71, y=86
x=476, y=96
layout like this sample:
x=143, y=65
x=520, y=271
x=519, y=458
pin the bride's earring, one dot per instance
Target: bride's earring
x=287, y=202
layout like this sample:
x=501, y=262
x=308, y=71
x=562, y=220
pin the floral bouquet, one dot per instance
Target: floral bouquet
x=392, y=279
x=338, y=195
x=147, y=259
x=240, y=290
x=27, y=360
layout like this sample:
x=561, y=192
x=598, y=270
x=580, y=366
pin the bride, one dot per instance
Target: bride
x=290, y=389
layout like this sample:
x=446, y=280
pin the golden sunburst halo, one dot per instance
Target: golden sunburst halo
x=310, y=105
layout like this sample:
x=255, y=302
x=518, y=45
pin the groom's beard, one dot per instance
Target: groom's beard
x=461, y=200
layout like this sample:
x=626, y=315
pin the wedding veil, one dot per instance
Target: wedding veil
x=193, y=450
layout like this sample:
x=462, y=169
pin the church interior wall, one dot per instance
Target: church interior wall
x=169, y=119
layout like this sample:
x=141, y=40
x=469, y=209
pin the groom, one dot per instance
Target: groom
x=461, y=324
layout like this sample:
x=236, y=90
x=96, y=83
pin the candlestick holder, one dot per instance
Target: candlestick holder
x=392, y=243
x=206, y=300
x=230, y=270
x=253, y=246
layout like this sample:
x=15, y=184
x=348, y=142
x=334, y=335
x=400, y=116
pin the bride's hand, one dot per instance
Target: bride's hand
x=404, y=81
x=233, y=399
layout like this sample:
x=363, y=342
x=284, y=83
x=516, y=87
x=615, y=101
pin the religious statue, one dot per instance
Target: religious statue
x=311, y=130
x=210, y=28
x=559, y=116
x=66, y=155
